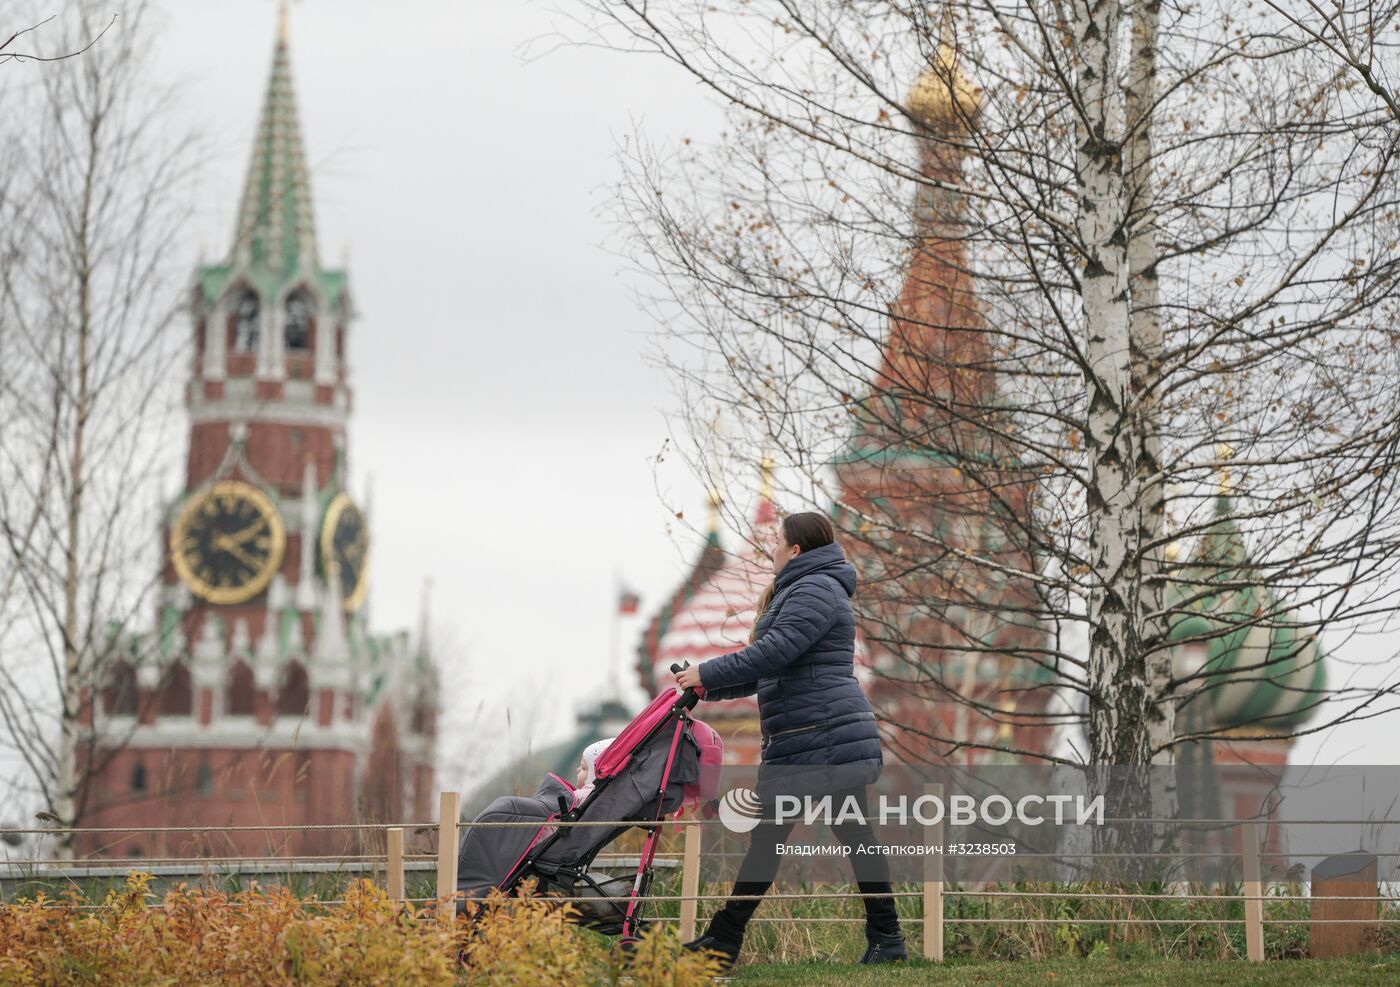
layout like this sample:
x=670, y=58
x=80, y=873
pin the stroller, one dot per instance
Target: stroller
x=662, y=761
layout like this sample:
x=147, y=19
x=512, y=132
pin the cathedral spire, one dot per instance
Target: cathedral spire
x=942, y=98
x=276, y=231
x=936, y=346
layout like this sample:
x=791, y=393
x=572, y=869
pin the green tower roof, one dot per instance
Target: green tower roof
x=276, y=230
x=274, y=241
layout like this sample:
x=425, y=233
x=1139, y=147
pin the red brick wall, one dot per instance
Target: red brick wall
x=276, y=451
x=286, y=787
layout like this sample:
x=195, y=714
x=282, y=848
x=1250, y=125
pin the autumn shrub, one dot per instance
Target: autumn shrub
x=528, y=940
x=659, y=961
x=272, y=937
x=255, y=937
x=532, y=940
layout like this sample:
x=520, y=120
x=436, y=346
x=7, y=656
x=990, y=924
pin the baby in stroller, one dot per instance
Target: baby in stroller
x=588, y=768
x=584, y=779
x=662, y=761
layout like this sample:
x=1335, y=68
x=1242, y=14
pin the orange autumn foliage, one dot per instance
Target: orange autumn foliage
x=256, y=937
x=529, y=940
x=271, y=937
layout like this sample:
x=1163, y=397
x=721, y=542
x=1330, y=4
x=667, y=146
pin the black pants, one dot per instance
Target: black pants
x=760, y=867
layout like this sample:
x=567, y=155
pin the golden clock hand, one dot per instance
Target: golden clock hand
x=246, y=533
x=237, y=552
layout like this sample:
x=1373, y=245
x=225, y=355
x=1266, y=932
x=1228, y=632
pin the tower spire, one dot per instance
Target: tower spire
x=276, y=230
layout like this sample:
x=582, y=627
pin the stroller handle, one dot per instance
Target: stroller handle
x=689, y=697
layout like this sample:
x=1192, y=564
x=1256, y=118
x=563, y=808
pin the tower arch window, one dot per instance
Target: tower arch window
x=138, y=777
x=245, y=322
x=119, y=697
x=239, y=692
x=177, y=698
x=299, y=313
x=295, y=693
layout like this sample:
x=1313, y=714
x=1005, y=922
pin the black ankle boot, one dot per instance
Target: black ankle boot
x=884, y=947
x=727, y=952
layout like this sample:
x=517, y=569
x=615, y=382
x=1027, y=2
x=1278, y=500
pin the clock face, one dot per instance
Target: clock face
x=345, y=549
x=227, y=542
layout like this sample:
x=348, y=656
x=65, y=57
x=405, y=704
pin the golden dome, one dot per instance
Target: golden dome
x=942, y=98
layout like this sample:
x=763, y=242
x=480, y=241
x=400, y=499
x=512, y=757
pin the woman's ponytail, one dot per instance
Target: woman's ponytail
x=764, y=598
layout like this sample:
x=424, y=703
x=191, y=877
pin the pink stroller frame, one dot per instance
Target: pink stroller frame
x=626, y=773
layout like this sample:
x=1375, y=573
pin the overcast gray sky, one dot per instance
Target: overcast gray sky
x=502, y=402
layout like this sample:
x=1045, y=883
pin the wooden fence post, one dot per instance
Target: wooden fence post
x=1254, y=895
x=1334, y=880
x=394, y=863
x=449, y=808
x=933, y=882
x=690, y=880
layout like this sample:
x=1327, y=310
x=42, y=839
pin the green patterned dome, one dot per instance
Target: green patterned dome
x=1262, y=670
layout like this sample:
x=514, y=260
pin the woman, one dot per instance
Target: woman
x=819, y=734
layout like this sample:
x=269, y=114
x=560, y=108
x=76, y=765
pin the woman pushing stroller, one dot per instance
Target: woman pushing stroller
x=817, y=725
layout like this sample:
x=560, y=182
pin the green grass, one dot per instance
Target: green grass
x=1096, y=972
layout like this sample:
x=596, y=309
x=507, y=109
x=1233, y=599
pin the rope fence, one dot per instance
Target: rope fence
x=931, y=891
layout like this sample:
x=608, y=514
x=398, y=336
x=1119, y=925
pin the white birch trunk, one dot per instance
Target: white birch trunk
x=1117, y=678
x=1145, y=352
x=74, y=685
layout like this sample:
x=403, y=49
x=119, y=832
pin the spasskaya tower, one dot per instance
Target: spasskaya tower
x=262, y=696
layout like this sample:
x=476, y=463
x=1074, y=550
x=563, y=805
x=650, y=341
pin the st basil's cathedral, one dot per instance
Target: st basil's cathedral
x=952, y=653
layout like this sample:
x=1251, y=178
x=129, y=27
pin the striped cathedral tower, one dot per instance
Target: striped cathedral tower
x=936, y=505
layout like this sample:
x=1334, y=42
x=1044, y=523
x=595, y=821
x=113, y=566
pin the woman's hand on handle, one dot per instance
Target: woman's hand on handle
x=689, y=677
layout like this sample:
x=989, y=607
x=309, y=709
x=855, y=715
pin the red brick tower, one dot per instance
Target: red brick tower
x=936, y=504
x=264, y=699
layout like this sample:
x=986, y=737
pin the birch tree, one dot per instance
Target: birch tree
x=91, y=204
x=1180, y=231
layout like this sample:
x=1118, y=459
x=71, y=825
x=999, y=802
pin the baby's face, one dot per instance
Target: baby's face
x=582, y=775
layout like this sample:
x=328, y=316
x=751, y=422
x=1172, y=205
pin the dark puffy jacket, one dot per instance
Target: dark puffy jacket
x=802, y=665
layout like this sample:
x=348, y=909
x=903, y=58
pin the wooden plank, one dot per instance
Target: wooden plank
x=394, y=863
x=690, y=880
x=1254, y=895
x=933, y=884
x=449, y=808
